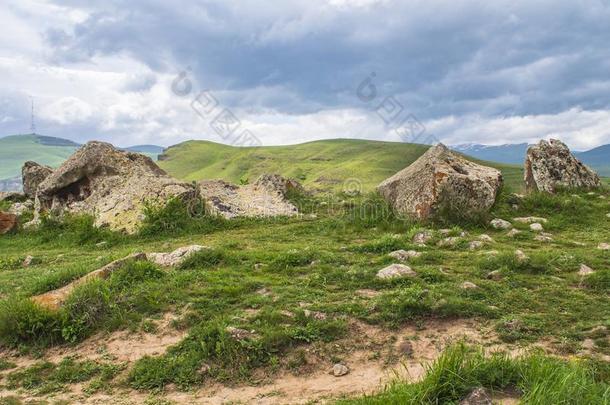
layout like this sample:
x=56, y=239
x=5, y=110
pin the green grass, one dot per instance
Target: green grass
x=539, y=379
x=322, y=165
x=260, y=274
x=16, y=149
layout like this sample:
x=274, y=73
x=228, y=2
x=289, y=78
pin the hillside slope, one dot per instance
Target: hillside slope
x=322, y=165
x=598, y=158
x=16, y=149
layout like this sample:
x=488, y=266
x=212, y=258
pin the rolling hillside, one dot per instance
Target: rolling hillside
x=322, y=165
x=598, y=158
x=16, y=149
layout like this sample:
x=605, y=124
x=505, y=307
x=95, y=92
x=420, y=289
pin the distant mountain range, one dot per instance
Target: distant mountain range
x=46, y=150
x=598, y=158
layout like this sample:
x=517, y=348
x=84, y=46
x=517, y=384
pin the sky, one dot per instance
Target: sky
x=291, y=71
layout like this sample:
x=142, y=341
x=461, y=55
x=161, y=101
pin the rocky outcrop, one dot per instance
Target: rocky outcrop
x=8, y=222
x=441, y=180
x=32, y=174
x=110, y=184
x=549, y=165
x=265, y=198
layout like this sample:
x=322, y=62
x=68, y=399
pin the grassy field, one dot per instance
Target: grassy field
x=16, y=149
x=322, y=165
x=304, y=296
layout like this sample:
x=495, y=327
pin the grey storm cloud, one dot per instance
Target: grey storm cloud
x=440, y=58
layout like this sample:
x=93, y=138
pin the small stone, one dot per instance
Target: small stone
x=320, y=316
x=395, y=271
x=27, y=262
x=520, y=256
x=475, y=244
x=467, y=285
x=585, y=270
x=463, y=234
x=486, y=238
x=608, y=215
x=513, y=232
x=448, y=242
x=544, y=237
x=404, y=255
x=258, y=266
x=406, y=348
x=530, y=220
x=478, y=396
x=101, y=244
x=421, y=238
x=500, y=224
x=604, y=246
x=495, y=275
x=536, y=227
x=239, y=334
x=339, y=370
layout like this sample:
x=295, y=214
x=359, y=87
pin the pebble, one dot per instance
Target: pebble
x=339, y=370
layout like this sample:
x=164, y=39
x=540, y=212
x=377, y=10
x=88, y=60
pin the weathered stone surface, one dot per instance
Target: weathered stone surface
x=12, y=196
x=20, y=208
x=404, y=255
x=544, y=237
x=485, y=238
x=550, y=164
x=513, y=232
x=475, y=244
x=110, y=184
x=240, y=334
x=603, y=246
x=339, y=370
x=32, y=174
x=265, y=198
x=520, y=256
x=8, y=222
x=55, y=299
x=448, y=242
x=396, y=270
x=176, y=257
x=498, y=223
x=467, y=285
x=421, y=238
x=495, y=275
x=441, y=180
x=530, y=220
x=585, y=270
x=536, y=227
x=478, y=396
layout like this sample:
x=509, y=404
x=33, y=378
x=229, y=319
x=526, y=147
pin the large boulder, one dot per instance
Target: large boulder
x=264, y=198
x=550, y=164
x=110, y=184
x=441, y=180
x=8, y=222
x=32, y=174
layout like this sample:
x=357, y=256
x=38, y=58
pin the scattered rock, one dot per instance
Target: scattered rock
x=467, y=285
x=520, y=256
x=320, y=316
x=176, y=257
x=239, y=334
x=536, y=227
x=110, y=184
x=27, y=262
x=404, y=255
x=258, y=266
x=475, y=244
x=585, y=270
x=265, y=198
x=101, y=244
x=495, y=275
x=486, y=238
x=53, y=300
x=32, y=174
x=544, y=237
x=406, y=348
x=500, y=224
x=449, y=242
x=12, y=196
x=20, y=208
x=339, y=370
x=441, y=180
x=603, y=246
x=421, y=238
x=395, y=271
x=478, y=396
x=513, y=232
x=550, y=164
x=530, y=220
x=444, y=232
x=8, y=222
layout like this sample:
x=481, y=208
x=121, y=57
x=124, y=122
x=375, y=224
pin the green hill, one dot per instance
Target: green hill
x=16, y=149
x=323, y=165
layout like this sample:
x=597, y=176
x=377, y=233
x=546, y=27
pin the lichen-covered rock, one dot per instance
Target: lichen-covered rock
x=395, y=271
x=441, y=180
x=404, y=255
x=478, y=396
x=176, y=257
x=499, y=223
x=8, y=222
x=110, y=184
x=549, y=165
x=32, y=174
x=264, y=198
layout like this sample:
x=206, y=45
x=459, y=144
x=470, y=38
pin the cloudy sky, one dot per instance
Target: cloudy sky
x=160, y=72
